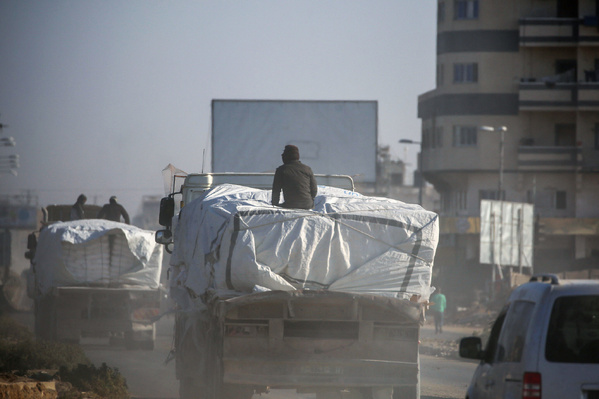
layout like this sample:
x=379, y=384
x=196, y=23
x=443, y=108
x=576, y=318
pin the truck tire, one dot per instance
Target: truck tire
x=189, y=389
x=130, y=343
x=234, y=391
x=146, y=345
x=45, y=319
x=409, y=392
x=354, y=393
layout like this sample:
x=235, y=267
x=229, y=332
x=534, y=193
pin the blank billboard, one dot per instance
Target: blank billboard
x=506, y=233
x=334, y=137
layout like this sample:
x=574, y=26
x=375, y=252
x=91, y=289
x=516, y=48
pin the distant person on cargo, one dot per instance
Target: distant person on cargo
x=296, y=180
x=113, y=211
x=77, y=211
x=439, y=304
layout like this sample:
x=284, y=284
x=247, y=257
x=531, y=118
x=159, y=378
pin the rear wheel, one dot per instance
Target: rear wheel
x=234, y=391
x=189, y=389
x=130, y=343
x=146, y=345
x=405, y=392
x=45, y=318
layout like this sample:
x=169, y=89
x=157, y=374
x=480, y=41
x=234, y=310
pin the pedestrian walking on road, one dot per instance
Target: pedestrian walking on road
x=439, y=304
x=296, y=180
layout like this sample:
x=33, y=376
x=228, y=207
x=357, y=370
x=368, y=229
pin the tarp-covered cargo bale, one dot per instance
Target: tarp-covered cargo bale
x=233, y=239
x=96, y=252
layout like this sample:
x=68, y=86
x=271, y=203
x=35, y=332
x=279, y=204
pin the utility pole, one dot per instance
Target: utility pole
x=500, y=197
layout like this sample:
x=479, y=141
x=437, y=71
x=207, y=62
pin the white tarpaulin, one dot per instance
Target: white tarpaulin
x=96, y=252
x=233, y=239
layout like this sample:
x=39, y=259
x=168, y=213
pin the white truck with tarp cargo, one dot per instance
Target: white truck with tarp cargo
x=96, y=278
x=327, y=300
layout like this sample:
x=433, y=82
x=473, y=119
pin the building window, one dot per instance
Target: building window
x=565, y=134
x=465, y=73
x=453, y=201
x=560, y=199
x=436, y=140
x=432, y=138
x=464, y=136
x=466, y=9
x=440, y=71
x=441, y=12
x=566, y=70
x=461, y=200
x=549, y=199
x=444, y=201
x=490, y=195
x=425, y=138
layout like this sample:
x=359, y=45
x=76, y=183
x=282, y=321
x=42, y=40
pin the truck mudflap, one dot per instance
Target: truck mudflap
x=304, y=340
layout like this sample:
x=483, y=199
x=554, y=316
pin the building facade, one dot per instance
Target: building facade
x=531, y=69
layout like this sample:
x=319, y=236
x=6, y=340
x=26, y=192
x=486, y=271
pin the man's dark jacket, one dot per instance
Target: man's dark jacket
x=298, y=184
x=113, y=212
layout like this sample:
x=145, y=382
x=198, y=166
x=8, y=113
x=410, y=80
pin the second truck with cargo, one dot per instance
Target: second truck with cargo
x=327, y=301
x=97, y=278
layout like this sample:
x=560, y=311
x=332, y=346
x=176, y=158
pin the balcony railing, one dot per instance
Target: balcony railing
x=536, y=158
x=549, y=96
x=560, y=32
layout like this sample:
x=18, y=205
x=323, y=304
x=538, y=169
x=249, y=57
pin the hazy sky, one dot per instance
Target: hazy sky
x=101, y=95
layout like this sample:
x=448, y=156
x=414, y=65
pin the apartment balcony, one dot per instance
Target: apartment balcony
x=556, y=95
x=559, y=32
x=549, y=159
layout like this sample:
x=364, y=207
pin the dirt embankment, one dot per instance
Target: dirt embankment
x=32, y=369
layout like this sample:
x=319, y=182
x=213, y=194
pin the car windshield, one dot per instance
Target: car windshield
x=573, y=334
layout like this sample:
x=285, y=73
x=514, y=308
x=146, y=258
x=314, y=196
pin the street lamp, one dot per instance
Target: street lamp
x=9, y=163
x=421, y=177
x=11, y=160
x=7, y=142
x=502, y=130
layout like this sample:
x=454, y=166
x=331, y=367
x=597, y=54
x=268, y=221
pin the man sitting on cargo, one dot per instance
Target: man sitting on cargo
x=77, y=211
x=296, y=180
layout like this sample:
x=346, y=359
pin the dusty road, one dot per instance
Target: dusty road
x=149, y=378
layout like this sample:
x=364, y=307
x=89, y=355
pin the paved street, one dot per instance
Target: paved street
x=149, y=378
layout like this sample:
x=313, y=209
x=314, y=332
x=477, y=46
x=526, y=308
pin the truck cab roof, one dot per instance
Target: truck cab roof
x=195, y=184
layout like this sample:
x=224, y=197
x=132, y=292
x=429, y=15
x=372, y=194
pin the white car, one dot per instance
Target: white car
x=544, y=344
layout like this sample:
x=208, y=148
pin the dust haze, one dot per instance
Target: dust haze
x=101, y=96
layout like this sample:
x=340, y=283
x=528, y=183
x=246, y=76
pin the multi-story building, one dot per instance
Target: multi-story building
x=532, y=68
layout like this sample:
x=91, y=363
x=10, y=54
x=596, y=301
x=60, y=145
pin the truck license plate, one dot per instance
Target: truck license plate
x=314, y=369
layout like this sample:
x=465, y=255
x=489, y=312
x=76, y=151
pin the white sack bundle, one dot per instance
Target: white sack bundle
x=96, y=252
x=233, y=239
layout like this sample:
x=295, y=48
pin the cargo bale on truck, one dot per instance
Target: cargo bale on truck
x=96, y=278
x=322, y=301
